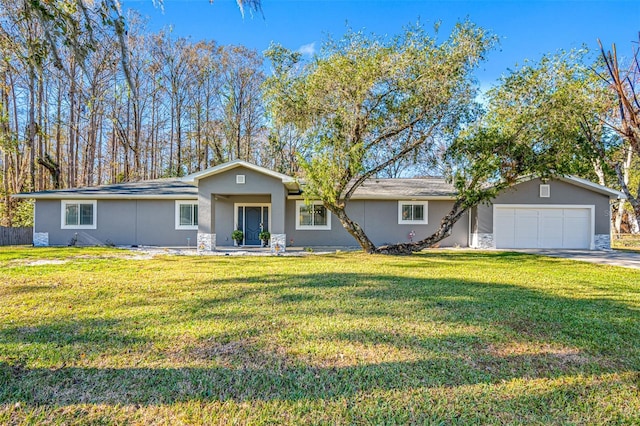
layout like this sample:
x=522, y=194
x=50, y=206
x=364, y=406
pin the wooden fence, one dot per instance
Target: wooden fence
x=15, y=236
x=630, y=241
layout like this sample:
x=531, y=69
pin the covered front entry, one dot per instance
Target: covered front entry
x=560, y=227
x=252, y=218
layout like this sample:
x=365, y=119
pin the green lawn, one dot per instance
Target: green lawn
x=440, y=337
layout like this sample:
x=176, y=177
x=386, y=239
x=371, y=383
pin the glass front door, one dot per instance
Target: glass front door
x=252, y=220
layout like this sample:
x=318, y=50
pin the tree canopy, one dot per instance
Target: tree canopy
x=366, y=102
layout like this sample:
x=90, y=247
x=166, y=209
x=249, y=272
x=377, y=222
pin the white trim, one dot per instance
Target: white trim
x=300, y=203
x=63, y=211
x=179, y=203
x=220, y=168
x=423, y=221
x=593, y=186
x=470, y=243
x=583, y=183
x=241, y=179
x=91, y=197
x=235, y=214
x=590, y=207
x=388, y=197
x=545, y=190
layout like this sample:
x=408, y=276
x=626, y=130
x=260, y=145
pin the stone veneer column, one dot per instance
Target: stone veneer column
x=484, y=241
x=40, y=239
x=206, y=242
x=278, y=243
x=603, y=242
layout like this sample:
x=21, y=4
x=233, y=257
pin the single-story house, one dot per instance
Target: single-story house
x=203, y=209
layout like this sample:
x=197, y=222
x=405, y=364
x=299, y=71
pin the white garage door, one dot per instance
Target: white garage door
x=542, y=227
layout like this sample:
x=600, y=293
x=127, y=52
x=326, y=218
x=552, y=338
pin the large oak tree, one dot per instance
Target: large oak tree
x=366, y=102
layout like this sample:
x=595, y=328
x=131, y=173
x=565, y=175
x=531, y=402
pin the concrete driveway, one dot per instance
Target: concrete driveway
x=626, y=259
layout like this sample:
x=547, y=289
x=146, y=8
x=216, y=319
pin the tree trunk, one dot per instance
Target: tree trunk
x=71, y=175
x=634, y=223
x=353, y=228
x=5, y=134
x=31, y=128
x=59, y=123
x=54, y=168
x=41, y=127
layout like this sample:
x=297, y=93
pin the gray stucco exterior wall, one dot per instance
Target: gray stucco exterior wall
x=225, y=221
x=561, y=193
x=379, y=219
x=121, y=222
x=218, y=193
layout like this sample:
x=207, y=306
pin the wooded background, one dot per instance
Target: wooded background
x=91, y=97
x=66, y=123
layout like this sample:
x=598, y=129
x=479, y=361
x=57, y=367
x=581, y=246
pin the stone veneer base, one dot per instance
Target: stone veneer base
x=40, y=239
x=206, y=242
x=603, y=242
x=482, y=241
x=278, y=243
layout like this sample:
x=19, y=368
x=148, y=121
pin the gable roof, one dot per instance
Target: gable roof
x=221, y=168
x=587, y=184
x=187, y=187
x=583, y=183
x=149, y=189
x=405, y=189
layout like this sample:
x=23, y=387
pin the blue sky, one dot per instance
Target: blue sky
x=527, y=29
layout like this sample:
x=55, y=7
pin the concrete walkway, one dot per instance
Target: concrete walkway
x=240, y=251
x=626, y=259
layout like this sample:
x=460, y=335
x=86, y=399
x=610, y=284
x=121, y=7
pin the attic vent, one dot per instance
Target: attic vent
x=240, y=179
x=545, y=191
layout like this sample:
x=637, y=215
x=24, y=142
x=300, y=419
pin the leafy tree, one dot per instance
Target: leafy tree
x=580, y=111
x=534, y=125
x=367, y=102
x=622, y=81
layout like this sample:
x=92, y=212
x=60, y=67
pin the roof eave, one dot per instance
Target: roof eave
x=612, y=193
x=390, y=197
x=78, y=196
x=195, y=177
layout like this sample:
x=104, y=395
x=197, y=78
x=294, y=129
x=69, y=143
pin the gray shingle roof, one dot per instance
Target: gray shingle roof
x=159, y=188
x=177, y=188
x=405, y=188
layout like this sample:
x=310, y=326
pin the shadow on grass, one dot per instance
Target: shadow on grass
x=100, y=333
x=606, y=334
x=72, y=385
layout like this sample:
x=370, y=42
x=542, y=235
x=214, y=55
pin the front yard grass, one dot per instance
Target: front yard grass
x=92, y=336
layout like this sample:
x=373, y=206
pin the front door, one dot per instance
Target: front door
x=252, y=220
x=252, y=225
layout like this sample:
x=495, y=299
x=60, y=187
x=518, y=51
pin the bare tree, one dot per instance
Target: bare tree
x=623, y=82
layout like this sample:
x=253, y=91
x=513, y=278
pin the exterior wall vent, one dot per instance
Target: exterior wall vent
x=545, y=191
x=240, y=179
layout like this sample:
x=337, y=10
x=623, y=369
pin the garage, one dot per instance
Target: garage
x=543, y=226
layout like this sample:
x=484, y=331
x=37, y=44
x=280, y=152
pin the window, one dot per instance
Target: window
x=186, y=215
x=79, y=214
x=312, y=216
x=545, y=191
x=240, y=179
x=412, y=212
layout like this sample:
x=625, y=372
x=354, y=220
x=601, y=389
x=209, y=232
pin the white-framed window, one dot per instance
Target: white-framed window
x=79, y=214
x=186, y=214
x=413, y=212
x=240, y=179
x=545, y=191
x=312, y=216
